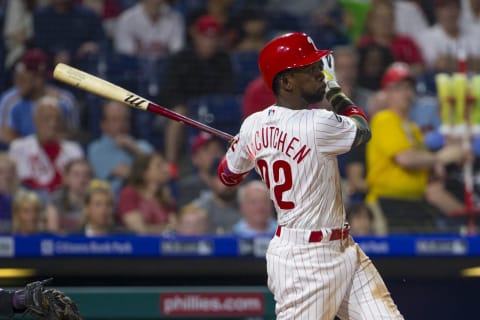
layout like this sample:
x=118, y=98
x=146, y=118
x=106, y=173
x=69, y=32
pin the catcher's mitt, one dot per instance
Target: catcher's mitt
x=49, y=304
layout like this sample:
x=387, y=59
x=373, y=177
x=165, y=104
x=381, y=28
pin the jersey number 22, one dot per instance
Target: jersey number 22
x=280, y=169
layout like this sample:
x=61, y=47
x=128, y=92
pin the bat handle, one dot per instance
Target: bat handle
x=183, y=119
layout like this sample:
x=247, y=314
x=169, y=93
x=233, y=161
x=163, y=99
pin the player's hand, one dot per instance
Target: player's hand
x=329, y=72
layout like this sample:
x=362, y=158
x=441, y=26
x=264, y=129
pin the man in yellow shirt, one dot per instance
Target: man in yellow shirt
x=398, y=162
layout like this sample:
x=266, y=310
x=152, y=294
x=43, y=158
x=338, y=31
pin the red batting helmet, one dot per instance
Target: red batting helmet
x=291, y=50
x=396, y=72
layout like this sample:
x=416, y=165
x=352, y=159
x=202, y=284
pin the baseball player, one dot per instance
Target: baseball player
x=315, y=269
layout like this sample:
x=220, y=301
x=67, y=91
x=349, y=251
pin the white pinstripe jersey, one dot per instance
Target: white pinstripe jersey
x=294, y=151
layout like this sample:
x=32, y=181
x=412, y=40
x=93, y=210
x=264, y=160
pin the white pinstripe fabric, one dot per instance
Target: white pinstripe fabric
x=316, y=281
x=316, y=180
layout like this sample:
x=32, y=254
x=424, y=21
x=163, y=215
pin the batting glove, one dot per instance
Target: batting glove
x=329, y=72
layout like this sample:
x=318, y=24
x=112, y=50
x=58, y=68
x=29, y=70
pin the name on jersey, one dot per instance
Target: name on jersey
x=274, y=138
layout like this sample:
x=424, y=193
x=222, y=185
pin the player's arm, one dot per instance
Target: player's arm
x=342, y=105
x=227, y=177
x=239, y=167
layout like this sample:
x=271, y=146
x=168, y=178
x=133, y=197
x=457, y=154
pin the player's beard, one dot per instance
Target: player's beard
x=314, y=97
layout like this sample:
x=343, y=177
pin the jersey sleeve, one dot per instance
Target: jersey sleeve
x=239, y=156
x=334, y=134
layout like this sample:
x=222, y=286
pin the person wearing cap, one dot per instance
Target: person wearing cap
x=205, y=151
x=200, y=69
x=150, y=28
x=399, y=163
x=30, y=83
x=315, y=269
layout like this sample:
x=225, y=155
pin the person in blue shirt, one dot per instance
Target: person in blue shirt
x=113, y=153
x=30, y=84
x=256, y=209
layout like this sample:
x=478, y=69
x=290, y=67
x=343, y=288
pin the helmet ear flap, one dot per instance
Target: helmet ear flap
x=278, y=79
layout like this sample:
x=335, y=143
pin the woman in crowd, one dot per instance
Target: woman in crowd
x=64, y=210
x=145, y=204
x=26, y=213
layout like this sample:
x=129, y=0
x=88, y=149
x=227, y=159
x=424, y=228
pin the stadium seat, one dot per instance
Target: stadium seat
x=222, y=112
x=245, y=68
x=123, y=70
x=150, y=80
x=151, y=76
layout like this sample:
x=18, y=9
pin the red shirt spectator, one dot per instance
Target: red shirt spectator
x=402, y=47
x=145, y=204
x=131, y=199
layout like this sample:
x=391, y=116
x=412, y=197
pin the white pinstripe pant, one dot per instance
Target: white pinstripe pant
x=318, y=281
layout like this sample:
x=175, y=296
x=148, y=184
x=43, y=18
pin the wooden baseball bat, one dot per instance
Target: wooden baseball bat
x=93, y=84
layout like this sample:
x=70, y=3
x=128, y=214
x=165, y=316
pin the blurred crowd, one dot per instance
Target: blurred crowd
x=73, y=163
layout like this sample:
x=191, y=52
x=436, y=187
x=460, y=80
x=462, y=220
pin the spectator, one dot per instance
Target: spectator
x=380, y=29
x=346, y=62
x=112, y=154
x=108, y=11
x=360, y=218
x=199, y=70
x=26, y=213
x=222, y=207
x=257, y=96
x=192, y=221
x=444, y=43
x=63, y=212
x=221, y=10
x=205, y=151
x=291, y=15
x=9, y=184
x=470, y=14
x=18, y=28
x=373, y=60
x=70, y=33
x=30, y=84
x=346, y=68
x=326, y=24
x=251, y=31
x=398, y=163
x=144, y=204
x=98, y=210
x=355, y=175
x=256, y=209
x=410, y=17
x=42, y=157
x=151, y=28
